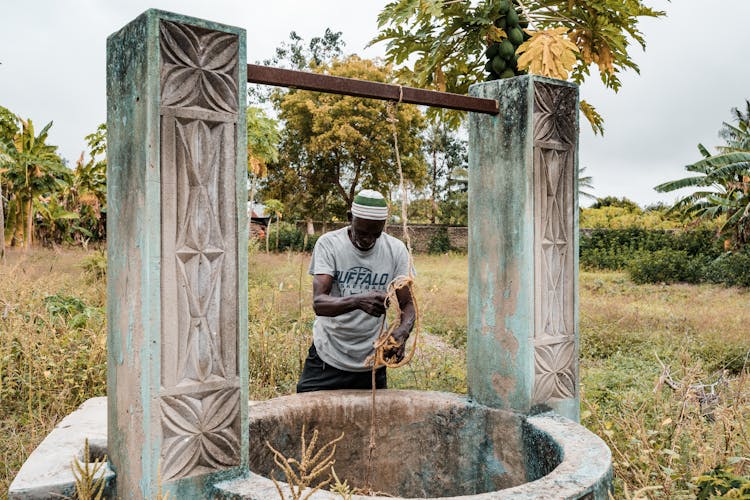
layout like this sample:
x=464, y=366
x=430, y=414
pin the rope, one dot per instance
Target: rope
x=385, y=340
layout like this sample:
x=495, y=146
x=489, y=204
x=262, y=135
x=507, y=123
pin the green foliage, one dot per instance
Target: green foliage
x=290, y=237
x=614, y=217
x=615, y=248
x=74, y=311
x=95, y=265
x=454, y=210
x=447, y=162
x=722, y=483
x=447, y=40
x=721, y=188
x=666, y=266
x=334, y=145
x=440, y=242
x=613, y=201
x=45, y=200
x=32, y=169
x=731, y=269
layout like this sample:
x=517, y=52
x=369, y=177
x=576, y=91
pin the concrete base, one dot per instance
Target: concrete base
x=430, y=445
x=48, y=473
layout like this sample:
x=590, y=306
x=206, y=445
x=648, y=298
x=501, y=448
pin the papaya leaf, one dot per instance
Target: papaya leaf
x=592, y=115
x=496, y=34
x=548, y=53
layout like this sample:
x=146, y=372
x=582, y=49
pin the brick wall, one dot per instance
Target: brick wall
x=420, y=234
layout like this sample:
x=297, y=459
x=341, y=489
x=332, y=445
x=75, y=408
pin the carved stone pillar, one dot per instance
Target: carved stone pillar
x=177, y=255
x=523, y=247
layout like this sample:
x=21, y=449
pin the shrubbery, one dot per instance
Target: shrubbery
x=290, y=237
x=657, y=256
x=666, y=266
x=440, y=242
x=616, y=248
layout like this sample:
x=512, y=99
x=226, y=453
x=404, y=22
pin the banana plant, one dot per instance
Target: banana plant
x=33, y=169
x=722, y=184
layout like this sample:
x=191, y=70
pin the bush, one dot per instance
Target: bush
x=95, y=265
x=615, y=248
x=440, y=242
x=290, y=238
x=731, y=269
x=666, y=266
x=722, y=483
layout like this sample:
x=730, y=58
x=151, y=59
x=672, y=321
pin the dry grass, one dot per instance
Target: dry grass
x=52, y=351
x=52, y=357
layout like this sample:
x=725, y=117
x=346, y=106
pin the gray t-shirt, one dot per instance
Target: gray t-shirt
x=345, y=341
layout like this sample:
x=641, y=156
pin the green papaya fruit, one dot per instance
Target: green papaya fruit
x=501, y=23
x=503, y=6
x=511, y=18
x=492, y=50
x=508, y=73
x=498, y=64
x=515, y=35
x=507, y=49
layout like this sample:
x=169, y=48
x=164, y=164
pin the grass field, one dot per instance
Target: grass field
x=52, y=358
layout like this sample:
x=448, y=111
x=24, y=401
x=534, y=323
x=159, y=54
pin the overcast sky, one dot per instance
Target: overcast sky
x=694, y=70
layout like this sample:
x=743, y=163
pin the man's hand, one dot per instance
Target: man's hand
x=372, y=303
x=400, y=335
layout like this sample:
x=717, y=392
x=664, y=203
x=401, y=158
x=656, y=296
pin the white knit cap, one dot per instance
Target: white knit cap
x=369, y=204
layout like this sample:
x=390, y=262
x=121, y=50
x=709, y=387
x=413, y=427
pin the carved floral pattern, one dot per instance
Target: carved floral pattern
x=555, y=240
x=199, y=67
x=200, y=248
x=554, y=162
x=201, y=434
x=555, y=372
x=554, y=113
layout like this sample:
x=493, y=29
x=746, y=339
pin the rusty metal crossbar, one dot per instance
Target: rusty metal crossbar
x=362, y=88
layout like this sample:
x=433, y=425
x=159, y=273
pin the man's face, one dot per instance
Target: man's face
x=364, y=232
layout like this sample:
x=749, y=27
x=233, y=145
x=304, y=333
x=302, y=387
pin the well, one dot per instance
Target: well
x=177, y=414
x=434, y=445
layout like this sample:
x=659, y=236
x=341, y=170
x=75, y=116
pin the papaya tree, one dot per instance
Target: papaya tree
x=721, y=181
x=452, y=44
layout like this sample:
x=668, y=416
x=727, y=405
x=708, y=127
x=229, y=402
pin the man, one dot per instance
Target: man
x=351, y=270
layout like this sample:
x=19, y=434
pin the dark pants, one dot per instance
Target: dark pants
x=317, y=375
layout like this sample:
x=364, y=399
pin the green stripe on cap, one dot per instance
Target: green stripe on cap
x=370, y=198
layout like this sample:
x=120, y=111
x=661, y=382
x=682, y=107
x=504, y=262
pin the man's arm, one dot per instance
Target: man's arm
x=326, y=305
x=408, y=317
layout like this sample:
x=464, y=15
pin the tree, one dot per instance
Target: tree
x=295, y=54
x=262, y=146
x=722, y=186
x=445, y=151
x=585, y=184
x=33, y=169
x=8, y=130
x=446, y=40
x=273, y=208
x=454, y=209
x=87, y=195
x=614, y=201
x=333, y=145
